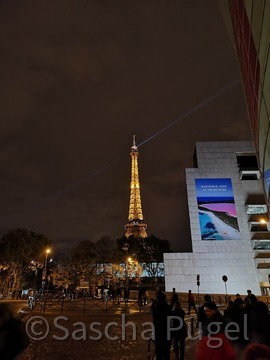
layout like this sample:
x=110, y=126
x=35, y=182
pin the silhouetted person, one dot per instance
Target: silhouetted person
x=229, y=311
x=214, y=319
x=238, y=301
x=141, y=295
x=201, y=312
x=13, y=338
x=179, y=336
x=251, y=297
x=126, y=294
x=214, y=344
x=161, y=311
x=191, y=302
x=118, y=293
x=174, y=297
x=260, y=324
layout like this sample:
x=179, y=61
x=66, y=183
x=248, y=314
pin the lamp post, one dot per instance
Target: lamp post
x=225, y=279
x=44, y=276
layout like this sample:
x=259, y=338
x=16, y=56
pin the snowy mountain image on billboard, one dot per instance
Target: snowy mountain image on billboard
x=216, y=207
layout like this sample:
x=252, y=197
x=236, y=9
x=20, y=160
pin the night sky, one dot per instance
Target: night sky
x=78, y=79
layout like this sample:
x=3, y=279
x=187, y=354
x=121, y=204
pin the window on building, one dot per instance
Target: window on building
x=247, y=162
x=263, y=265
x=262, y=245
x=248, y=166
x=249, y=176
x=258, y=227
x=256, y=209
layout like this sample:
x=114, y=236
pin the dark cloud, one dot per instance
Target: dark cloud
x=78, y=79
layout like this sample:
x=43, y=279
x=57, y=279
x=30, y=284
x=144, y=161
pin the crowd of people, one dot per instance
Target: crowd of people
x=242, y=329
x=118, y=293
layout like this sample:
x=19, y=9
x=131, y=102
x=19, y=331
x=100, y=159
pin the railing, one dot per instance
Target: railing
x=63, y=303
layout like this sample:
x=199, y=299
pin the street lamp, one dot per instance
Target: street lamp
x=225, y=279
x=44, y=277
x=198, y=284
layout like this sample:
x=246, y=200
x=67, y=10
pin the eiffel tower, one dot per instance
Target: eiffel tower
x=135, y=226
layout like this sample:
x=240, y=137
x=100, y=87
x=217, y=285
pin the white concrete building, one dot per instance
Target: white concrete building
x=228, y=221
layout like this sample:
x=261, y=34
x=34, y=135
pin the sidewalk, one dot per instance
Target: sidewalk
x=81, y=328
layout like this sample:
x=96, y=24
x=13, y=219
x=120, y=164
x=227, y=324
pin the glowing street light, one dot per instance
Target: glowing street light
x=47, y=252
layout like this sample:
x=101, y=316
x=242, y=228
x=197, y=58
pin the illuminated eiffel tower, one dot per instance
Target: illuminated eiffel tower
x=135, y=226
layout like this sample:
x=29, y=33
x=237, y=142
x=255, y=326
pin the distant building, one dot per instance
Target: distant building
x=229, y=223
x=135, y=226
x=251, y=33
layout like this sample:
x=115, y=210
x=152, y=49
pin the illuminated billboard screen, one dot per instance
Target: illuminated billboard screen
x=216, y=207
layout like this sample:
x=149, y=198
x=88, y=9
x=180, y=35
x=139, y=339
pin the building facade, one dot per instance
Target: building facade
x=228, y=221
x=249, y=20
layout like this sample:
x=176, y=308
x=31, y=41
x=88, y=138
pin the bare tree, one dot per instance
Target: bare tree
x=104, y=249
